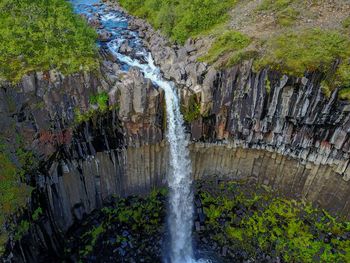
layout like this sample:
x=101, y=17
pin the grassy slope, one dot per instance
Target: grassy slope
x=41, y=35
x=181, y=19
x=292, y=36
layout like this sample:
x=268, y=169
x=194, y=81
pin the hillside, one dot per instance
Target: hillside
x=37, y=36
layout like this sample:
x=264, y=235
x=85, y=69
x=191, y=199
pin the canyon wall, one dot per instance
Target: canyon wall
x=254, y=126
x=256, y=108
x=78, y=188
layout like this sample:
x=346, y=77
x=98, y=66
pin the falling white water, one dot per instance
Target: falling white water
x=180, y=218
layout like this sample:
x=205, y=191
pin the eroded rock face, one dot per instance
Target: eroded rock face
x=263, y=109
x=254, y=126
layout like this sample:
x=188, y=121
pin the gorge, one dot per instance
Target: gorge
x=118, y=132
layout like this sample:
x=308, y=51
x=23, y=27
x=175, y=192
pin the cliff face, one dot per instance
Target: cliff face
x=258, y=109
x=260, y=127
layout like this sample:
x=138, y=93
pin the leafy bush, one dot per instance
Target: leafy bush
x=193, y=111
x=181, y=19
x=100, y=101
x=41, y=35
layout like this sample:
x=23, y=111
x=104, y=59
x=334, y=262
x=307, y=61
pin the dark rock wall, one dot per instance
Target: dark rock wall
x=257, y=109
x=291, y=138
x=293, y=118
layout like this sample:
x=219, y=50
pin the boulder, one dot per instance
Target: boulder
x=104, y=36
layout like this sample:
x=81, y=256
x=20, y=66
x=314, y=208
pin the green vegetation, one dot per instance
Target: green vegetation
x=287, y=17
x=344, y=94
x=239, y=216
x=346, y=23
x=285, y=14
x=21, y=229
x=39, y=36
x=181, y=19
x=295, y=53
x=229, y=42
x=99, y=104
x=93, y=234
x=101, y=100
x=37, y=213
x=292, y=230
x=13, y=196
x=193, y=111
x=140, y=217
x=14, y=193
x=311, y=50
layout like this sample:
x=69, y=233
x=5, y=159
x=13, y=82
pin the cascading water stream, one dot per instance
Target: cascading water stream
x=179, y=178
x=180, y=217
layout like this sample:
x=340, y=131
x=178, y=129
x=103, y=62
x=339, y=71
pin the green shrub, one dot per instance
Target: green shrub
x=193, y=111
x=181, y=19
x=101, y=100
x=21, y=229
x=344, y=94
x=229, y=41
x=240, y=56
x=37, y=213
x=42, y=35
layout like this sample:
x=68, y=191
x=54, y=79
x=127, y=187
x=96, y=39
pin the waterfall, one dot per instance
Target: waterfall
x=180, y=214
x=180, y=217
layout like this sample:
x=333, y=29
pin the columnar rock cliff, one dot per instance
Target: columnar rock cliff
x=256, y=126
